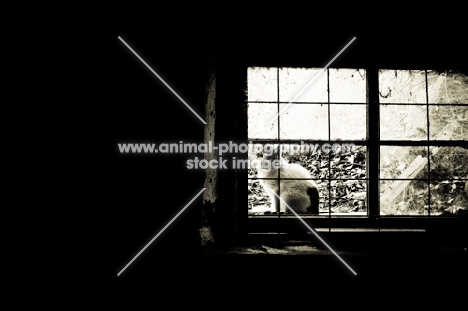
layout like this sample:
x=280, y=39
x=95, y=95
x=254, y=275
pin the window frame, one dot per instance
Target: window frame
x=373, y=219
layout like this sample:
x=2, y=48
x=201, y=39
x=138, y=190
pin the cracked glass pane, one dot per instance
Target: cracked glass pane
x=447, y=87
x=449, y=179
x=448, y=122
x=449, y=162
x=402, y=86
x=404, y=197
x=403, y=162
x=403, y=122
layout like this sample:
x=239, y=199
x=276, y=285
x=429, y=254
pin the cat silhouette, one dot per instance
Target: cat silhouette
x=291, y=182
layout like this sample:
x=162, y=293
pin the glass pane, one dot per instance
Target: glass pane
x=347, y=85
x=448, y=122
x=448, y=196
x=258, y=121
x=313, y=156
x=449, y=180
x=324, y=200
x=348, y=122
x=304, y=121
x=348, y=196
x=262, y=84
x=303, y=85
x=257, y=153
x=404, y=197
x=403, y=162
x=350, y=164
x=258, y=200
x=403, y=122
x=447, y=87
x=402, y=86
x=449, y=162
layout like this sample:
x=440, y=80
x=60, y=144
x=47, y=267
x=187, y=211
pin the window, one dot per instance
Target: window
x=423, y=136
x=377, y=143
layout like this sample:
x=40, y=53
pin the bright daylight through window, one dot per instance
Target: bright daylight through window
x=312, y=141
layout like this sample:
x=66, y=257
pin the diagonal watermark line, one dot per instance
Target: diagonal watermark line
x=159, y=233
x=316, y=234
x=164, y=82
x=313, y=79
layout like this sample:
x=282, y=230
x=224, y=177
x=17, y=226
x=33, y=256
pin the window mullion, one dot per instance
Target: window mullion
x=373, y=141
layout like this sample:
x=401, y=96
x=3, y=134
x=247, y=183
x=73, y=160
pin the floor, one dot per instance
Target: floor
x=297, y=272
x=263, y=262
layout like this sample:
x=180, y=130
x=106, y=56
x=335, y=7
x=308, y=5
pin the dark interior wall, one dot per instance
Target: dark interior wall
x=373, y=47
x=228, y=97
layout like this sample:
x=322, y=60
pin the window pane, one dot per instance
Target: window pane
x=324, y=200
x=262, y=84
x=350, y=164
x=347, y=85
x=303, y=85
x=345, y=196
x=449, y=180
x=402, y=86
x=404, y=197
x=448, y=196
x=348, y=196
x=448, y=87
x=304, y=121
x=403, y=162
x=403, y=122
x=448, y=122
x=449, y=162
x=258, y=200
x=348, y=122
x=258, y=121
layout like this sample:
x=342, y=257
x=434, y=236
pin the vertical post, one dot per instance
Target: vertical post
x=211, y=174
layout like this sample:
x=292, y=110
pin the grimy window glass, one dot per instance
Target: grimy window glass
x=422, y=146
x=423, y=142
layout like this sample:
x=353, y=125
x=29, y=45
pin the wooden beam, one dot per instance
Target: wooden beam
x=211, y=174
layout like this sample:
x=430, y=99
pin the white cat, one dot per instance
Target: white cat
x=301, y=195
